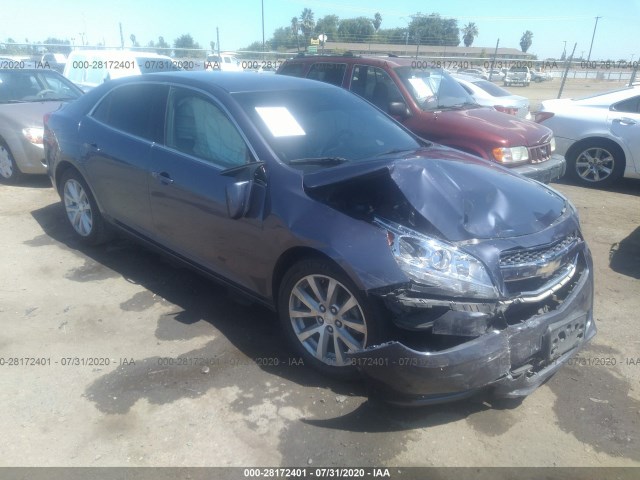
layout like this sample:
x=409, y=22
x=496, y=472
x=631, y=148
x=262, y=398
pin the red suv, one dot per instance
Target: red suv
x=434, y=106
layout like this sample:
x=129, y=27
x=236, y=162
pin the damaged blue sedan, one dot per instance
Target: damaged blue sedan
x=432, y=272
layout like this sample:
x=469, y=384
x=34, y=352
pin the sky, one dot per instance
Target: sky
x=240, y=22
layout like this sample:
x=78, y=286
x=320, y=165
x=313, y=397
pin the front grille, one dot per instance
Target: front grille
x=538, y=255
x=540, y=153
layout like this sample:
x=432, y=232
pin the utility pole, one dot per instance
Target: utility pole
x=218, y=42
x=262, y=29
x=121, y=37
x=592, y=37
x=566, y=70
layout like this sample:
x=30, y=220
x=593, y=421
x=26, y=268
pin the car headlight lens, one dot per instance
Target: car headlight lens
x=34, y=135
x=440, y=267
x=511, y=154
x=552, y=144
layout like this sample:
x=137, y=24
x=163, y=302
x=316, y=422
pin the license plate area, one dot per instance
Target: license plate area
x=563, y=336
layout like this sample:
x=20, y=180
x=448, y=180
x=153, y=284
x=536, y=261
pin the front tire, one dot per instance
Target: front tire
x=325, y=316
x=595, y=163
x=10, y=174
x=82, y=210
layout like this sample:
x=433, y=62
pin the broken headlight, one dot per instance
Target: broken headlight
x=442, y=268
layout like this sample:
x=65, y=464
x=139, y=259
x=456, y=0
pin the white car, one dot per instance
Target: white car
x=225, y=62
x=488, y=94
x=599, y=135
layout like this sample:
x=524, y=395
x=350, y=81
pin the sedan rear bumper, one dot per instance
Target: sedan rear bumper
x=546, y=171
x=511, y=362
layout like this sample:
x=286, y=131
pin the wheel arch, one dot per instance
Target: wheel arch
x=290, y=258
x=575, y=147
x=61, y=169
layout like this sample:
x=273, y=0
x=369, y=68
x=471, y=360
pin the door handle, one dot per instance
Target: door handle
x=163, y=177
x=625, y=121
x=92, y=146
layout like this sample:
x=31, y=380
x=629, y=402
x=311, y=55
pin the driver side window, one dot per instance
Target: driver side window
x=198, y=127
x=375, y=85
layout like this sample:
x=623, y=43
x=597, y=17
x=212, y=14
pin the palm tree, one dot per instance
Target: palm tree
x=306, y=24
x=469, y=33
x=377, y=21
x=295, y=28
x=525, y=41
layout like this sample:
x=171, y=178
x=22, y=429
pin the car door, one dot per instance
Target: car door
x=624, y=122
x=375, y=85
x=189, y=183
x=117, y=137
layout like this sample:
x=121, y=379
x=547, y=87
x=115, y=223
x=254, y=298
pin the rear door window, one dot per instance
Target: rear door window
x=137, y=109
x=292, y=69
x=332, y=73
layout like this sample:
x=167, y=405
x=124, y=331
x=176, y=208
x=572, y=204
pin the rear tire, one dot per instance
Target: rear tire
x=10, y=174
x=324, y=316
x=595, y=163
x=82, y=210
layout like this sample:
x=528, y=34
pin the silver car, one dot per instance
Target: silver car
x=26, y=95
x=488, y=94
x=599, y=135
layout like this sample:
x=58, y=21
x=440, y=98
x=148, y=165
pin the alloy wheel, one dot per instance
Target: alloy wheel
x=78, y=208
x=6, y=165
x=595, y=164
x=327, y=319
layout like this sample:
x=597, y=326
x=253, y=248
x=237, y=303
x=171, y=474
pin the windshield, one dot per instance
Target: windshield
x=27, y=86
x=434, y=89
x=318, y=124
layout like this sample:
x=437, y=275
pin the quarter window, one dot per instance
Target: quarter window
x=196, y=126
x=332, y=73
x=137, y=109
x=631, y=105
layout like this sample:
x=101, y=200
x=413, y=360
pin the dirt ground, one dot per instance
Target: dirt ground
x=121, y=339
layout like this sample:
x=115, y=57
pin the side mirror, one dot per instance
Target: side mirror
x=238, y=194
x=398, y=109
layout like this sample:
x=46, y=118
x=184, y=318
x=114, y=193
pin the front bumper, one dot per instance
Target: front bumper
x=512, y=362
x=546, y=171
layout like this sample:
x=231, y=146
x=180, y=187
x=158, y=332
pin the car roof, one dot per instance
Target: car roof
x=231, y=82
x=608, y=98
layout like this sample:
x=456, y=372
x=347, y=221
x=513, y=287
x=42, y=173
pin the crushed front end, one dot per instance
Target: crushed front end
x=497, y=288
x=454, y=347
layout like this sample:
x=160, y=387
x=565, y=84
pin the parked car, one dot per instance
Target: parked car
x=518, y=76
x=495, y=75
x=474, y=72
x=25, y=96
x=55, y=61
x=540, y=76
x=225, y=62
x=432, y=271
x=90, y=68
x=434, y=106
x=487, y=94
x=598, y=134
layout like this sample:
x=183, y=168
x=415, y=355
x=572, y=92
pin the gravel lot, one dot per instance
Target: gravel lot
x=147, y=399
